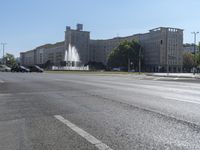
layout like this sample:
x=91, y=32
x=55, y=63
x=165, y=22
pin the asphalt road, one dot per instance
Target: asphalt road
x=96, y=111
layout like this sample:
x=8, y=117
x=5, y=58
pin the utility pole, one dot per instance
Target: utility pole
x=3, y=45
x=128, y=64
x=140, y=60
x=195, y=35
x=167, y=53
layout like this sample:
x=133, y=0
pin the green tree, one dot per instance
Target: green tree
x=10, y=60
x=188, y=61
x=199, y=46
x=197, y=56
x=197, y=60
x=126, y=52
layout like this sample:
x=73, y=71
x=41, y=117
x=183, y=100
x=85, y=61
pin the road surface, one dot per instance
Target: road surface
x=96, y=111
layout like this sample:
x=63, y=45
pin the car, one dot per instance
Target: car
x=116, y=69
x=20, y=69
x=132, y=70
x=35, y=68
x=15, y=69
x=5, y=68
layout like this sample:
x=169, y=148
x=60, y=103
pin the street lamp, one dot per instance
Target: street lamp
x=140, y=59
x=195, y=34
x=3, y=45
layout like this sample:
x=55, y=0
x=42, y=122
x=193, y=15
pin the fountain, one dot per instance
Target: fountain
x=71, y=56
x=72, y=60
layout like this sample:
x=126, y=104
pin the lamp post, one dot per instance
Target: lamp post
x=3, y=45
x=128, y=64
x=140, y=60
x=195, y=35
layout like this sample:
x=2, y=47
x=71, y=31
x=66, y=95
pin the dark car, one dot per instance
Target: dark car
x=20, y=69
x=35, y=68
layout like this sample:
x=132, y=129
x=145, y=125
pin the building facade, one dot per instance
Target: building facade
x=190, y=48
x=80, y=40
x=53, y=53
x=163, y=48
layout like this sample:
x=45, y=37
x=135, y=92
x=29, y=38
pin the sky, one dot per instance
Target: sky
x=26, y=24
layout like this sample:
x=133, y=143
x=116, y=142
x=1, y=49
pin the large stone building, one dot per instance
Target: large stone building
x=162, y=48
x=42, y=54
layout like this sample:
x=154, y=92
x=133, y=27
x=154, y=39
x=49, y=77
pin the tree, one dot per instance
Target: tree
x=188, y=61
x=199, y=46
x=197, y=61
x=197, y=56
x=10, y=60
x=127, y=53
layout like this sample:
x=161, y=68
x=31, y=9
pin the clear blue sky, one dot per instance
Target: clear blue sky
x=26, y=24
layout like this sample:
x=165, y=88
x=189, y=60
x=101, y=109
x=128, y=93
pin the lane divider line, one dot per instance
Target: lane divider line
x=1, y=81
x=175, y=78
x=158, y=78
x=100, y=145
x=194, y=101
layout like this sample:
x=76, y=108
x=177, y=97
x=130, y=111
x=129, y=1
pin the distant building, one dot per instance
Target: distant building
x=162, y=47
x=80, y=39
x=190, y=48
x=42, y=54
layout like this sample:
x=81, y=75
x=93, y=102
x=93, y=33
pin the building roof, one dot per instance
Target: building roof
x=46, y=46
x=169, y=28
x=51, y=45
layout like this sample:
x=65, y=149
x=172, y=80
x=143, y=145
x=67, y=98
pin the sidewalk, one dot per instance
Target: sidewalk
x=175, y=75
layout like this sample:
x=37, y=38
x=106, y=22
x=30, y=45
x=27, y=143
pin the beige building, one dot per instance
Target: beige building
x=162, y=48
x=42, y=54
x=80, y=40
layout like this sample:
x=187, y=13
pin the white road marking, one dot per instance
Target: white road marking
x=157, y=78
x=100, y=145
x=1, y=81
x=175, y=78
x=188, y=100
x=59, y=80
x=5, y=94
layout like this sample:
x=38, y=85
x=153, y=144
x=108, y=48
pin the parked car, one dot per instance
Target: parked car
x=20, y=69
x=5, y=68
x=132, y=70
x=116, y=69
x=35, y=68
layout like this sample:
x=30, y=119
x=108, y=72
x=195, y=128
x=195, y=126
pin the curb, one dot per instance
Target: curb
x=175, y=76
